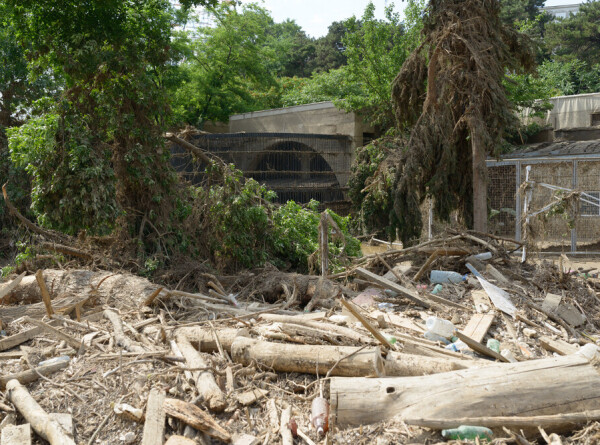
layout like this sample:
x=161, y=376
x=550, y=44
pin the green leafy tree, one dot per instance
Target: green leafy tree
x=577, y=36
x=226, y=67
x=333, y=85
x=512, y=11
x=292, y=49
x=111, y=55
x=18, y=88
x=329, y=49
x=375, y=50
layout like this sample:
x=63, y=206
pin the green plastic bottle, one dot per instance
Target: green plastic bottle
x=468, y=432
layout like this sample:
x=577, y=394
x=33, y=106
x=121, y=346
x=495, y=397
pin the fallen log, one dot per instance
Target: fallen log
x=31, y=375
x=125, y=287
x=349, y=361
x=537, y=387
x=204, y=380
x=335, y=329
x=39, y=419
x=204, y=338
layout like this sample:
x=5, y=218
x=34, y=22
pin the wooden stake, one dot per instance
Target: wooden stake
x=366, y=323
x=39, y=276
x=478, y=347
x=406, y=293
x=323, y=243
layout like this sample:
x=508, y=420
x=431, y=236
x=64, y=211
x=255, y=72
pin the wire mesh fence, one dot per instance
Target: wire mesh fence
x=565, y=199
x=296, y=166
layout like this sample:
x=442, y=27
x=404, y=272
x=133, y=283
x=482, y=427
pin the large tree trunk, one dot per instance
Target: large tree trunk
x=479, y=184
x=536, y=387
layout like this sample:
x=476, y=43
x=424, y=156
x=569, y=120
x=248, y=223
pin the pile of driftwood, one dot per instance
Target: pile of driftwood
x=101, y=357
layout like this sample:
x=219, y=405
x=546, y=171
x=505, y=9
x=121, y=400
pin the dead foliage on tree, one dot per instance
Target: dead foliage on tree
x=450, y=92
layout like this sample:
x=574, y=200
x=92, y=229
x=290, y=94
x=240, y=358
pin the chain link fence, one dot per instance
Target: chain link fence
x=564, y=197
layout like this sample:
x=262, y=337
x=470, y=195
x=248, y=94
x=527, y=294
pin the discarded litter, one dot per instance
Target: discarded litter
x=468, y=432
x=446, y=276
x=441, y=327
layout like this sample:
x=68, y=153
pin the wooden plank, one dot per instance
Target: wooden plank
x=551, y=302
x=406, y=293
x=71, y=341
x=478, y=326
x=8, y=288
x=559, y=346
x=481, y=301
x=154, y=427
x=179, y=440
x=478, y=347
x=496, y=275
x=16, y=435
x=22, y=337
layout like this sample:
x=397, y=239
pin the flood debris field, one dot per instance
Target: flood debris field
x=402, y=345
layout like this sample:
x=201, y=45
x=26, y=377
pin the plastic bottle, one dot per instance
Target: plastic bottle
x=62, y=358
x=440, y=327
x=493, y=344
x=436, y=289
x=391, y=293
x=387, y=307
x=390, y=338
x=507, y=354
x=468, y=432
x=483, y=256
x=589, y=351
x=435, y=337
x=446, y=276
x=320, y=415
x=460, y=346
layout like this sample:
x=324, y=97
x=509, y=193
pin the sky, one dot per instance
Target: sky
x=315, y=16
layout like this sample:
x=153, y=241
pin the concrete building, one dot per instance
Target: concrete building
x=574, y=118
x=302, y=152
x=562, y=11
x=322, y=118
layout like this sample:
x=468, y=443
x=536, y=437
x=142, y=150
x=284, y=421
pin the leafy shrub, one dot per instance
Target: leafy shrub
x=373, y=175
x=73, y=184
x=247, y=229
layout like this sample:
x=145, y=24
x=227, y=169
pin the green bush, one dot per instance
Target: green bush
x=247, y=229
x=73, y=184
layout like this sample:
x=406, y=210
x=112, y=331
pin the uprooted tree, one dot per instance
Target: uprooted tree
x=450, y=92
